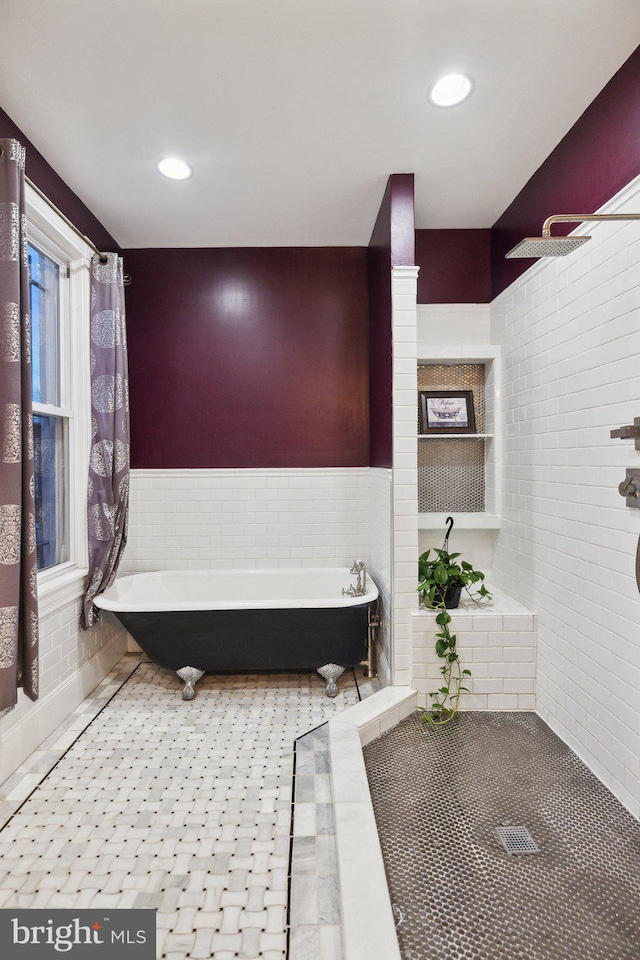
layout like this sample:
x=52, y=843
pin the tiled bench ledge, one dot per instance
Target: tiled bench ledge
x=367, y=919
x=496, y=641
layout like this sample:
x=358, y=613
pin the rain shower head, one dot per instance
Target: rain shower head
x=548, y=246
x=545, y=247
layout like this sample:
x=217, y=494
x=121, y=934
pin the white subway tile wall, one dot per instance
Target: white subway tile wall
x=496, y=642
x=444, y=324
x=65, y=648
x=404, y=285
x=381, y=561
x=570, y=330
x=243, y=518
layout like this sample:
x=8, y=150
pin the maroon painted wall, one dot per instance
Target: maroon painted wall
x=403, y=219
x=455, y=266
x=44, y=176
x=380, y=357
x=599, y=156
x=248, y=357
x=392, y=244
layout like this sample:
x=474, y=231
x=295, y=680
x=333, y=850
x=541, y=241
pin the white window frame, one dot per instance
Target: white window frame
x=64, y=582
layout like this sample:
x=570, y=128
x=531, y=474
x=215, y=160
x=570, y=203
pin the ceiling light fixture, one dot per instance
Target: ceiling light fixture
x=451, y=90
x=174, y=169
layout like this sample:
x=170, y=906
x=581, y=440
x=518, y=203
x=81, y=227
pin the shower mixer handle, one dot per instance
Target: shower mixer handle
x=629, y=487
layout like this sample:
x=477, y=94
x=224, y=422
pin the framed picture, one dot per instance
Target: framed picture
x=447, y=411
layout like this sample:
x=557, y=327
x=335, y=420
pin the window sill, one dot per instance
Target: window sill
x=59, y=590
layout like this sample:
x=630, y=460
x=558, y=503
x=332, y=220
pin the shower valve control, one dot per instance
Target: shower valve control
x=630, y=487
x=630, y=432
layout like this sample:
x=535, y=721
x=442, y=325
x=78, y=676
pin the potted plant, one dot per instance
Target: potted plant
x=441, y=579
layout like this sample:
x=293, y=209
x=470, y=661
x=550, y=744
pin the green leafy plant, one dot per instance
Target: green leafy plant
x=441, y=579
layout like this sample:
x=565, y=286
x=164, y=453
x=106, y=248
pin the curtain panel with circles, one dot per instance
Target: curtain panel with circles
x=18, y=574
x=108, y=490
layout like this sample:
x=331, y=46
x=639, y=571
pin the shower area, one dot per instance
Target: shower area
x=552, y=367
x=544, y=754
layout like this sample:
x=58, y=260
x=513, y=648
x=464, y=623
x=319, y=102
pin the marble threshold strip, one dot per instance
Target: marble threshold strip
x=340, y=907
x=367, y=918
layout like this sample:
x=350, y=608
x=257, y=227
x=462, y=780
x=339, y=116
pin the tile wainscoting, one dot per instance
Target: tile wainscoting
x=247, y=517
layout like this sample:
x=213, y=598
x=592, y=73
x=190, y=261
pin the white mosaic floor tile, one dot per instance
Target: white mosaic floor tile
x=182, y=806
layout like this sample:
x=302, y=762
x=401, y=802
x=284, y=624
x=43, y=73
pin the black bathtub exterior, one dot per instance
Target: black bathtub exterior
x=253, y=639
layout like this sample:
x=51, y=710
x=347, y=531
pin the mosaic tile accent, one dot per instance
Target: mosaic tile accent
x=182, y=806
x=440, y=792
x=16, y=788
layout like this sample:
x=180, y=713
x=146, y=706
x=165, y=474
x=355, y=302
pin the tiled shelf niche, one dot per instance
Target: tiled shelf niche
x=458, y=474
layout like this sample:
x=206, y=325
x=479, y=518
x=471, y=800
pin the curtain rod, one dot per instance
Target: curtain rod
x=68, y=222
x=90, y=243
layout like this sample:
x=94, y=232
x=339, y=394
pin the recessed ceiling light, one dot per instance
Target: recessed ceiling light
x=450, y=90
x=174, y=169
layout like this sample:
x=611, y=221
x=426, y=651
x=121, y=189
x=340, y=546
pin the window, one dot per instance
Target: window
x=59, y=307
x=50, y=414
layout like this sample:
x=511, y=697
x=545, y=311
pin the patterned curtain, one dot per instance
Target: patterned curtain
x=18, y=575
x=108, y=492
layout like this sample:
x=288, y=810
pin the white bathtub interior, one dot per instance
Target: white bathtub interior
x=235, y=590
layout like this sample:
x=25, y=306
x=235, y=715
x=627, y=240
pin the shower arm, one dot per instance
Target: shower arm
x=582, y=217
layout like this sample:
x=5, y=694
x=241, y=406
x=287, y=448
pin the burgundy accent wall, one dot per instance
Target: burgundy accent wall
x=597, y=157
x=248, y=357
x=44, y=176
x=392, y=244
x=455, y=266
x=403, y=219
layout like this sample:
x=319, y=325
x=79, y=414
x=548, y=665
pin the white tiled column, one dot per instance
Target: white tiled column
x=404, y=293
x=381, y=562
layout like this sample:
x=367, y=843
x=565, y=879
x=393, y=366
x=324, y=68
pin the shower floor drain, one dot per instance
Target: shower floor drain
x=517, y=840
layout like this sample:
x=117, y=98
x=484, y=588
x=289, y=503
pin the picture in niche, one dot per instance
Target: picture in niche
x=447, y=411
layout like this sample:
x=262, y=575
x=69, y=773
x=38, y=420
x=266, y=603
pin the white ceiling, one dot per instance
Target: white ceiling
x=294, y=112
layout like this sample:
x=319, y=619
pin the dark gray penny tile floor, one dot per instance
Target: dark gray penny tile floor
x=440, y=793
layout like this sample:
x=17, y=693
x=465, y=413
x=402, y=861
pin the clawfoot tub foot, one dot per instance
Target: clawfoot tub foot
x=190, y=675
x=330, y=672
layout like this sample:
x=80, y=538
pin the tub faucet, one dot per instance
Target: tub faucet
x=359, y=569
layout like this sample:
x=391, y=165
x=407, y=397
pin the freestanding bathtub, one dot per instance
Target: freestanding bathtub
x=197, y=621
